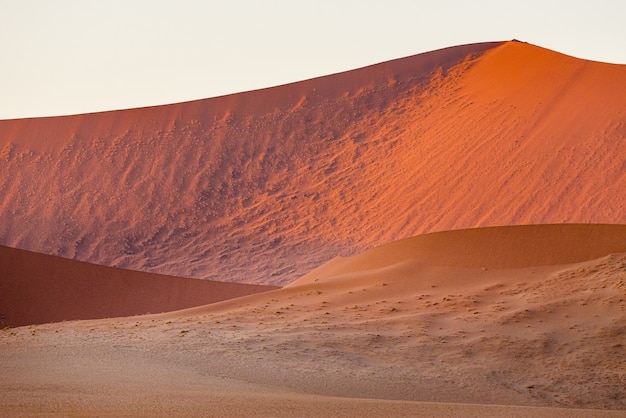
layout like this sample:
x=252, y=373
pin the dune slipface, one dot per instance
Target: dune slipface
x=261, y=187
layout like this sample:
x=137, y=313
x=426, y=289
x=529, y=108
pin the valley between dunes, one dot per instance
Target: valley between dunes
x=439, y=235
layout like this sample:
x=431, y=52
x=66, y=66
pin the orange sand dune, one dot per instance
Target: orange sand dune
x=531, y=317
x=263, y=186
x=37, y=288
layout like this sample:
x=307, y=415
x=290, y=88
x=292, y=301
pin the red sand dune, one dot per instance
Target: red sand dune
x=263, y=186
x=37, y=288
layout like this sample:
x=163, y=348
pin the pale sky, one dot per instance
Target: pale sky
x=77, y=56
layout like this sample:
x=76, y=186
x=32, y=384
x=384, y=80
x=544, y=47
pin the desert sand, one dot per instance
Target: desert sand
x=439, y=235
x=412, y=328
x=262, y=187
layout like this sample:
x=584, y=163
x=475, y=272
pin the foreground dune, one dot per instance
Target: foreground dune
x=261, y=187
x=533, y=316
x=37, y=288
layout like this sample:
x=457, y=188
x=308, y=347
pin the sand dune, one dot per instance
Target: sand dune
x=37, y=288
x=532, y=316
x=261, y=187
x=300, y=186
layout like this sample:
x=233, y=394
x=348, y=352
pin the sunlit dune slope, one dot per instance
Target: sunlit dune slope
x=264, y=186
x=37, y=288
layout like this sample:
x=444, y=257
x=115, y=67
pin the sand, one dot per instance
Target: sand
x=262, y=187
x=353, y=193
x=406, y=329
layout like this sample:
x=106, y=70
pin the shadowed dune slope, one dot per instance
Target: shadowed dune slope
x=38, y=288
x=264, y=186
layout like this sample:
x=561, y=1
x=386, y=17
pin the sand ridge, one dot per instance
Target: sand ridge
x=261, y=187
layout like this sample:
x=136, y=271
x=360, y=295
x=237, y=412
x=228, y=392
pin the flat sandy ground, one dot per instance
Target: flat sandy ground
x=401, y=330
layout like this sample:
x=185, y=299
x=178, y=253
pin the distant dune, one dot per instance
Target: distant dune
x=37, y=288
x=261, y=187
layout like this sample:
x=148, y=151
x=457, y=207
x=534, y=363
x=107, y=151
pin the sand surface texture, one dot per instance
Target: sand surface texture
x=262, y=187
x=533, y=317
